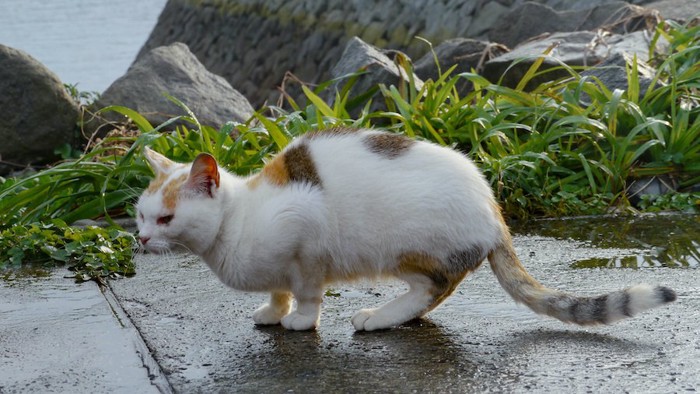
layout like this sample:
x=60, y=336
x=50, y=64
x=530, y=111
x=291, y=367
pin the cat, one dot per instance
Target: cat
x=344, y=204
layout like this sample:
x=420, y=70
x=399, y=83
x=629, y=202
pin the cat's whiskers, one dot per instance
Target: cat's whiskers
x=181, y=246
x=138, y=249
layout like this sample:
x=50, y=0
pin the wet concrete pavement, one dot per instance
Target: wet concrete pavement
x=58, y=336
x=203, y=339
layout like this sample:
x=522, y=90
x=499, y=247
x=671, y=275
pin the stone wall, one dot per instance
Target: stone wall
x=253, y=43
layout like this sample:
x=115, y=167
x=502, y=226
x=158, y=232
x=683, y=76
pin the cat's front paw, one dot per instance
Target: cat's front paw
x=266, y=315
x=298, y=322
x=369, y=320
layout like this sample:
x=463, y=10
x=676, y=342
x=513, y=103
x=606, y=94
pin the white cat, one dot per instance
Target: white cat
x=345, y=204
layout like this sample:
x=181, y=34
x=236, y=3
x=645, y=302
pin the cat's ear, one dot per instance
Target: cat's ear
x=159, y=163
x=204, y=175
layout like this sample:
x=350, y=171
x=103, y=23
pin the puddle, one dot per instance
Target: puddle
x=669, y=241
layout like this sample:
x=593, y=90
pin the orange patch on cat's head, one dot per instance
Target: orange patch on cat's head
x=171, y=191
x=156, y=183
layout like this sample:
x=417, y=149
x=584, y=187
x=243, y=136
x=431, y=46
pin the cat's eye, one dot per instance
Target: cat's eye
x=165, y=219
x=141, y=216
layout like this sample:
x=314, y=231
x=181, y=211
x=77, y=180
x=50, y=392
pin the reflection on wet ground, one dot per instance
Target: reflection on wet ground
x=25, y=272
x=655, y=241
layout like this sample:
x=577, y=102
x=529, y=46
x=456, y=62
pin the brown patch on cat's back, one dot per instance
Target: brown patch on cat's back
x=388, y=145
x=294, y=164
x=171, y=191
x=300, y=165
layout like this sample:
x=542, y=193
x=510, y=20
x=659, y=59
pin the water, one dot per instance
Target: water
x=90, y=43
x=655, y=241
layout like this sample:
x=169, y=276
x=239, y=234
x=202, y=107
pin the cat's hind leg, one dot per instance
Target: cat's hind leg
x=272, y=313
x=407, y=306
x=430, y=283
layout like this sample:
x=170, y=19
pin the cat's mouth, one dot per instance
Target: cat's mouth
x=156, y=247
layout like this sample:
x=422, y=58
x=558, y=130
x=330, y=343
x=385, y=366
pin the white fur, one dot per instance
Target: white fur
x=368, y=211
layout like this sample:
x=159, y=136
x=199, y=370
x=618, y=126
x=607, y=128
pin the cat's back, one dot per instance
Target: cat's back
x=358, y=162
x=390, y=187
x=362, y=195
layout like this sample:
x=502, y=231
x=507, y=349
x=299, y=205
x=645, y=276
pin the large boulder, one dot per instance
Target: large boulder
x=174, y=70
x=613, y=73
x=259, y=45
x=489, y=13
x=679, y=10
x=37, y=115
x=377, y=68
x=465, y=53
x=533, y=19
x=574, y=49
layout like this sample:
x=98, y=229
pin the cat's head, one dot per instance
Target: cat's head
x=181, y=206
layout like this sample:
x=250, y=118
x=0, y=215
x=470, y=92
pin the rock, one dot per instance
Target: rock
x=653, y=186
x=378, y=68
x=176, y=71
x=466, y=53
x=581, y=4
x=256, y=44
x=573, y=48
x=613, y=73
x=37, y=115
x=485, y=18
x=533, y=19
x=678, y=10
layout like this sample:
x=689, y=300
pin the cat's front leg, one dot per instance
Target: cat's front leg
x=308, y=310
x=272, y=313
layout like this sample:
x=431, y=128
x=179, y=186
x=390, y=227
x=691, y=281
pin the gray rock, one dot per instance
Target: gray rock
x=176, y=71
x=573, y=48
x=653, y=186
x=485, y=18
x=37, y=115
x=563, y=5
x=679, y=10
x=378, y=68
x=466, y=54
x=533, y=19
x=613, y=73
x=255, y=44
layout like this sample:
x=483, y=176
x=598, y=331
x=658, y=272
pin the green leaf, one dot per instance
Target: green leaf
x=274, y=130
x=316, y=100
x=141, y=122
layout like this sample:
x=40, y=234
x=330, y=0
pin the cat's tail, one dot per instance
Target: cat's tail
x=602, y=309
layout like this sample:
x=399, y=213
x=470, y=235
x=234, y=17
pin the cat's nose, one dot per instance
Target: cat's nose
x=144, y=240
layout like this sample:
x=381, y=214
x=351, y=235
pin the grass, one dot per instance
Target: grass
x=567, y=147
